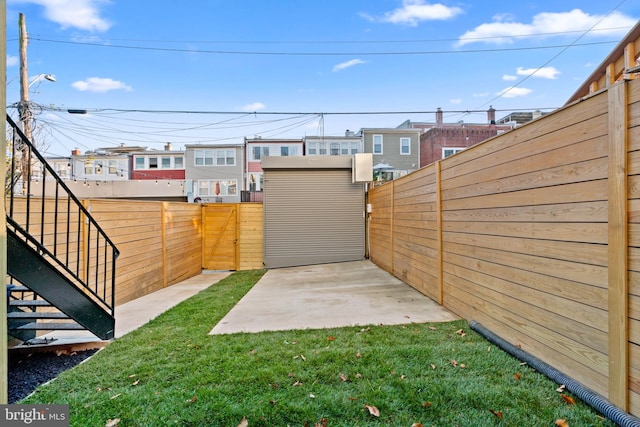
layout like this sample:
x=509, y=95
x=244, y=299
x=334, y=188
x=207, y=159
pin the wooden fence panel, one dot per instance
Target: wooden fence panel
x=633, y=183
x=182, y=248
x=525, y=221
x=250, y=236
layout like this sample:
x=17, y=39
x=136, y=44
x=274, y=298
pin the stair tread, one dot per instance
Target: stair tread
x=49, y=326
x=37, y=315
x=30, y=303
x=18, y=288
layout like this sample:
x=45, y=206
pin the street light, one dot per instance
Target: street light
x=49, y=77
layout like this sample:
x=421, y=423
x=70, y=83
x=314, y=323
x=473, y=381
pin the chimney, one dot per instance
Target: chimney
x=76, y=152
x=491, y=115
x=439, y=116
x=167, y=146
x=349, y=133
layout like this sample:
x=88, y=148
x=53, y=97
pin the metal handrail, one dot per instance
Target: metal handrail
x=58, y=227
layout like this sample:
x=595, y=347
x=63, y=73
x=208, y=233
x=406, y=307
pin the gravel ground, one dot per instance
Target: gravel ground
x=29, y=370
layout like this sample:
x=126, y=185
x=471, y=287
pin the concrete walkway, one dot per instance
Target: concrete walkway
x=310, y=297
x=329, y=295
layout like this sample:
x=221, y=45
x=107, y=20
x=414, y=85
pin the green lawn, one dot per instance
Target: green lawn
x=171, y=372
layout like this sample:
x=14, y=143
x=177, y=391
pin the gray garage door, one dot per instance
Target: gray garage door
x=312, y=216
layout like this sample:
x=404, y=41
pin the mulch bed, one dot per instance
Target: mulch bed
x=28, y=370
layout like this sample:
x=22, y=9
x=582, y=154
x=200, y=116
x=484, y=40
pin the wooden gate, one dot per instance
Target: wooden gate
x=220, y=236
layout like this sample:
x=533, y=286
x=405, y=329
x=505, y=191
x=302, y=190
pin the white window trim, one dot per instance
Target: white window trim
x=373, y=144
x=455, y=150
x=214, y=157
x=408, y=145
x=224, y=184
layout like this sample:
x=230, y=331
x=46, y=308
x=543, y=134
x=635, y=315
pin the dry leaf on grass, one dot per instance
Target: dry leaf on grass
x=193, y=399
x=568, y=399
x=416, y=425
x=517, y=376
x=427, y=404
x=331, y=338
x=562, y=423
x=244, y=422
x=343, y=377
x=114, y=396
x=372, y=410
x=498, y=414
x=461, y=333
x=112, y=423
x=561, y=388
x=432, y=328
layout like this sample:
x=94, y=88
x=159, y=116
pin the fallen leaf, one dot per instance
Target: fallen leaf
x=112, y=423
x=562, y=423
x=568, y=399
x=358, y=355
x=518, y=345
x=402, y=377
x=498, y=414
x=331, y=338
x=462, y=365
x=304, y=359
x=373, y=410
x=273, y=402
x=416, y=425
x=311, y=395
x=343, y=377
x=427, y=404
x=244, y=422
x=461, y=333
x=561, y=388
x=114, y=396
x=132, y=376
x=135, y=382
x=433, y=366
x=352, y=398
x=432, y=328
x=192, y=400
x=358, y=376
x=297, y=384
x=291, y=374
x=517, y=376
x=252, y=352
x=323, y=423
x=454, y=363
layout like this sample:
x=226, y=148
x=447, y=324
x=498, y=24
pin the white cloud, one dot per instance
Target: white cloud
x=12, y=61
x=504, y=29
x=414, y=11
x=99, y=84
x=81, y=14
x=509, y=78
x=348, y=64
x=514, y=92
x=455, y=101
x=481, y=95
x=254, y=107
x=544, y=73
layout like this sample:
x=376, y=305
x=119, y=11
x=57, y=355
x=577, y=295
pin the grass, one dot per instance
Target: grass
x=171, y=372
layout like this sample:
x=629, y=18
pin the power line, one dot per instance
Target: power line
x=230, y=52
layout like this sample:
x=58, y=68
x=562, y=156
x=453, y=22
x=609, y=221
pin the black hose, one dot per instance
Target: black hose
x=590, y=397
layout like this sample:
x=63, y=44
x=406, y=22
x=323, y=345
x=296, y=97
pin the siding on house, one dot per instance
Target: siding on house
x=391, y=137
x=209, y=168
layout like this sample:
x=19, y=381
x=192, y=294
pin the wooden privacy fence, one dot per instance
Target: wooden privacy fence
x=536, y=235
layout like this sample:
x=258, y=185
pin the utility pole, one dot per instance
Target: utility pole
x=23, y=106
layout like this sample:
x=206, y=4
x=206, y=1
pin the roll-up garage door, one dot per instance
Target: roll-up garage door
x=312, y=216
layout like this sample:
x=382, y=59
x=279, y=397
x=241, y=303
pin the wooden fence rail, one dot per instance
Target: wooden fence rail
x=536, y=235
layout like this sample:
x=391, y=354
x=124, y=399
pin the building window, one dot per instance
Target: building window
x=178, y=162
x=153, y=163
x=284, y=151
x=166, y=162
x=88, y=167
x=139, y=162
x=218, y=187
x=113, y=167
x=312, y=149
x=225, y=157
x=405, y=146
x=260, y=152
x=446, y=151
x=377, y=144
x=355, y=148
x=323, y=149
x=204, y=157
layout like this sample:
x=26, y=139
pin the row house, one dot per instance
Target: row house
x=257, y=148
x=396, y=152
x=215, y=173
x=164, y=164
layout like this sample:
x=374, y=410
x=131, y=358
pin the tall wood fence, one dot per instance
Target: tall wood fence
x=535, y=234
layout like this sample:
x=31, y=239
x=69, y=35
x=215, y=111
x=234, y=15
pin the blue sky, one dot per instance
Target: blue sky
x=165, y=71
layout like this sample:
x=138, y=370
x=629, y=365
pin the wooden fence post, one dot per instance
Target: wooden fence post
x=439, y=245
x=392, y=222
x=618, y=248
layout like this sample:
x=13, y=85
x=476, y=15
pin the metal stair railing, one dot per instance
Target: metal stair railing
x=44, y=213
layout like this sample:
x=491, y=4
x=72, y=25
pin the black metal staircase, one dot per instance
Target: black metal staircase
x=61, y=264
